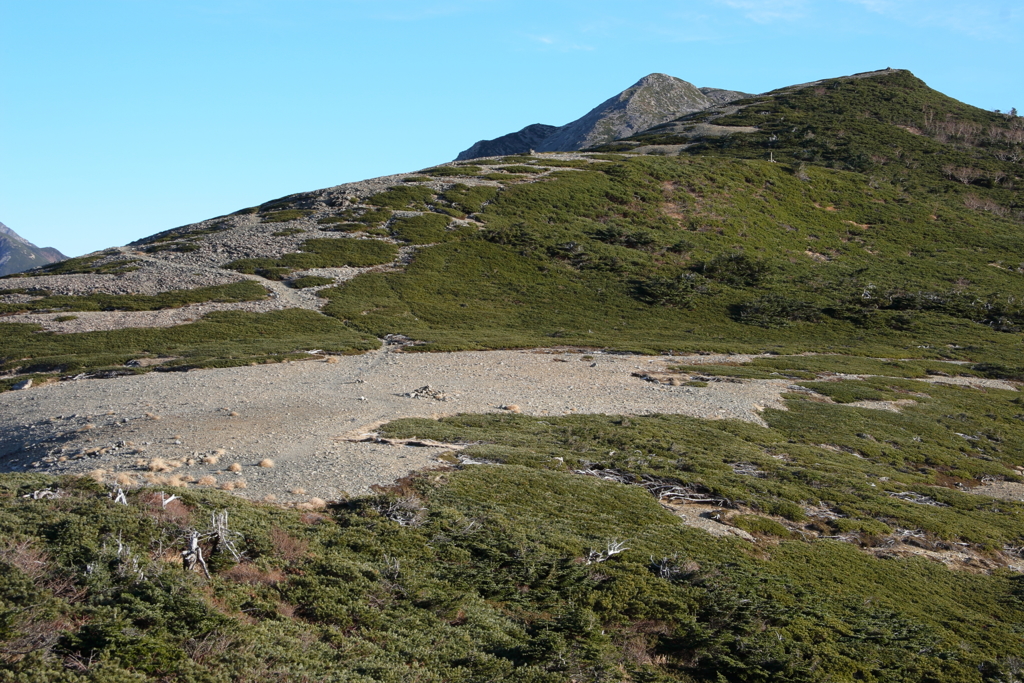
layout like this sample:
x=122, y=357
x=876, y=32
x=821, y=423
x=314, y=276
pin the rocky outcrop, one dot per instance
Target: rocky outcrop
x=520, y=142
x=17, y=254
x=652, y=100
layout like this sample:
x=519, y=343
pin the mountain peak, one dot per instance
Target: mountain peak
x=654, y=99
x=18, y=254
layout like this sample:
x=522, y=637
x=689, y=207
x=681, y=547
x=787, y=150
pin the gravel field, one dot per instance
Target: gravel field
x=302, y=414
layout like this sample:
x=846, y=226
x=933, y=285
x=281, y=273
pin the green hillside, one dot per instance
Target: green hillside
x=844, y=249
x=857, y=239
x=869, y=223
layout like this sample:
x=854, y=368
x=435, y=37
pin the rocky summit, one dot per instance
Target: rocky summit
x=653, y=99
x=733, y=394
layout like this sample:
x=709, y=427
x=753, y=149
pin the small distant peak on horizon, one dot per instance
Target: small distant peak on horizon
x=17, y=254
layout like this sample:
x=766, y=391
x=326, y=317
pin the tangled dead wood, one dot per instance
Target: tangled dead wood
x=662, y=489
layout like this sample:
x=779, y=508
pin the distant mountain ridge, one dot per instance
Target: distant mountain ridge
x=17, y=254
x=652, y=100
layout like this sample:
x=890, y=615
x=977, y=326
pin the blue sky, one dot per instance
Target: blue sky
x=121, y=118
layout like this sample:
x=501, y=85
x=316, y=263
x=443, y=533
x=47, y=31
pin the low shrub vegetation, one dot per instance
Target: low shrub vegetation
x=246, y=290
x=83, y=265
x=523, y=571
x=310, y=281
x=445, y=171
x=221, y=339
x=320, y=253
x=706, y=254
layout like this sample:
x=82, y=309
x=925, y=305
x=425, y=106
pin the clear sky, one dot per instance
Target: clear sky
x=121, y=118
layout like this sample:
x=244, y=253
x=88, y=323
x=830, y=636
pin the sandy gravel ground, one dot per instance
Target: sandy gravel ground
x=302, y=414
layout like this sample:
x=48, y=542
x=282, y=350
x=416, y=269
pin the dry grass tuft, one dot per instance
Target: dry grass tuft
x=159, y=465
x=269, y=498
x=332, y=360
x=312, y=504
x=266, y=462
x=211, y=459
x=513, y=408
x=232, y=414
x=298, y=491
x=208, y=481
x=151, y=416
x=227, y=486
x=241, y=484
x=234, y=467
x=98, y=474
x=125, y=479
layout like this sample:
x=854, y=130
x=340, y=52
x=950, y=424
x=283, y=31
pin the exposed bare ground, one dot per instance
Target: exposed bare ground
x=301, y=414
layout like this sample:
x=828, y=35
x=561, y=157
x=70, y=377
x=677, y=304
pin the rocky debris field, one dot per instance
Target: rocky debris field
x=310, y=418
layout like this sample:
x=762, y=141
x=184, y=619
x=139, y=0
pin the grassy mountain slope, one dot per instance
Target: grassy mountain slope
x=861, y=238
x=657, y=254
x=867, y=219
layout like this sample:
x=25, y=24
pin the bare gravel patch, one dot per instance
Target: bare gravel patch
x=973, y=382
x=303, y=415
x=1005, y=490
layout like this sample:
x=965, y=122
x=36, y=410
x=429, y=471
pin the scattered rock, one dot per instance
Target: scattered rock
x=426, y=392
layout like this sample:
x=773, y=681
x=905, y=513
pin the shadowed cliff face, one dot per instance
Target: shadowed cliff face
x=18, y=254
x=652, y=100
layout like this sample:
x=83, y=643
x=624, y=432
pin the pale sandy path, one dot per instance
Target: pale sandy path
x=296, y=413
